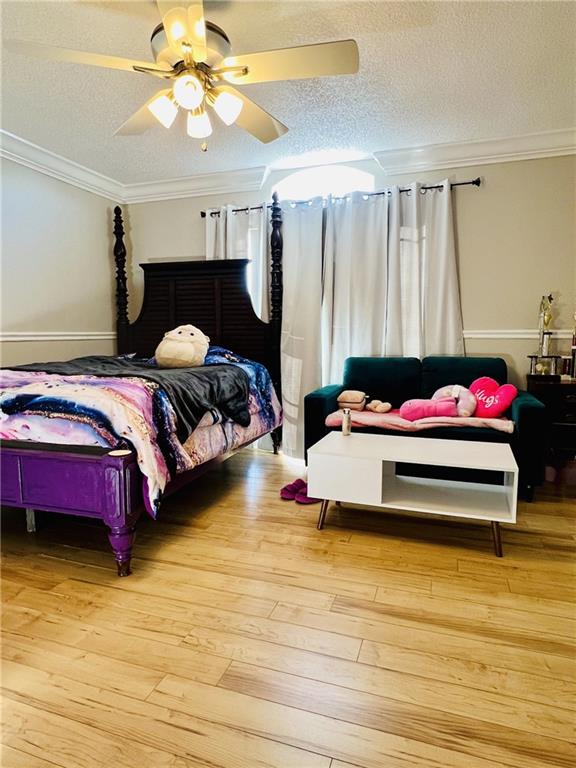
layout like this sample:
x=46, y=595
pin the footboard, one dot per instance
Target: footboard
x=89, y=482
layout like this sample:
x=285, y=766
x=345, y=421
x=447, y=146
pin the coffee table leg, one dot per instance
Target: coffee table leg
x=497, y=538
x=321, y=518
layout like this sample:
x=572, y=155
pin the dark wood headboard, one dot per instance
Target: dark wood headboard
x=209, y=294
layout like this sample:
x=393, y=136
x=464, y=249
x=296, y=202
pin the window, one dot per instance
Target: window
x=337, y=180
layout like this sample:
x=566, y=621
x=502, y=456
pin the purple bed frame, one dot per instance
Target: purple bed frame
x=107, y=484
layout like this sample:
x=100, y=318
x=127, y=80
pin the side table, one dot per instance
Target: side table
x=559, y=397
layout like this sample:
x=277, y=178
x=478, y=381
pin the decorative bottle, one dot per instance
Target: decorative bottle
x=346, y=422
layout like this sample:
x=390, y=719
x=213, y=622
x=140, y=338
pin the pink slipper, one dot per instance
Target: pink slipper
x=303, y=498
x=290, y=491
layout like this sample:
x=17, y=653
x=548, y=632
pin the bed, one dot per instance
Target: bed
x=108, y=480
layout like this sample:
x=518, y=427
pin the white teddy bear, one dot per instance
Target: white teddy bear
x=184, y=347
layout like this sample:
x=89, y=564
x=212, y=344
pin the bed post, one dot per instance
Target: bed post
x=276, y=246
x=122, y=322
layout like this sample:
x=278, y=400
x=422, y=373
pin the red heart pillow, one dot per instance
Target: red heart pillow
x=492, y=399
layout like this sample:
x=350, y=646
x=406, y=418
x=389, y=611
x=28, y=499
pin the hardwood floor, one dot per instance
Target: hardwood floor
x=245, y=638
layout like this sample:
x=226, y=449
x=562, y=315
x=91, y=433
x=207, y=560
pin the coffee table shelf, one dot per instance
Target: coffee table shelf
x=362, y=469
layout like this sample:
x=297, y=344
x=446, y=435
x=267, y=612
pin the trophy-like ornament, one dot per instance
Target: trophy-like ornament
x=544, y=321
x=544, y=363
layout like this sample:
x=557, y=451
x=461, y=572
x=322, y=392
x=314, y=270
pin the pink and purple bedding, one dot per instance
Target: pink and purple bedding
x=133, y=412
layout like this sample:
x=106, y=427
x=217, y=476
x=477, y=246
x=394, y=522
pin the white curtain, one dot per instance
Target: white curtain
x=390, y=277
x=243, y=234
x=355, y=280
x=423, y=315
x=362, y=275
x=301, y=346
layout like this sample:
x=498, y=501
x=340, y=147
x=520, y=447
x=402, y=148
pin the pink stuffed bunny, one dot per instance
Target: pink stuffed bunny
x=412, y=410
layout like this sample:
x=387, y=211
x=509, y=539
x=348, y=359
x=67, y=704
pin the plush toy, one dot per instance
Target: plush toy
x=184, y=347
x=412, y=410
x=377, y=406
x=492, y=399
x=353, y=399
x=465, y=400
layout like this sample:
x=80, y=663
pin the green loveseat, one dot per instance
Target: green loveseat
x=396, y=379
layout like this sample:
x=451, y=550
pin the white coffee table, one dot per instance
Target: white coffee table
x=361, y=469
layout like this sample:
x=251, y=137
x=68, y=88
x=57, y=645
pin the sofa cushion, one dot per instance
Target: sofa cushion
x=391, y=379
x=439, y=371
x=479, y=434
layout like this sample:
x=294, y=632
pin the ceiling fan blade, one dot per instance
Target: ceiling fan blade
x=54, y=53
x=338, y=58
x=185, y=27
x=253, y=118
x=142, y=119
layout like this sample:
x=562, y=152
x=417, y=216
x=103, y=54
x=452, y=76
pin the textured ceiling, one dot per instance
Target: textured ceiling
x=430, y=72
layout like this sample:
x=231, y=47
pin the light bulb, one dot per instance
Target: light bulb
x=228, y=107
x=188, y=91
x=164, y=110
x=199, y=125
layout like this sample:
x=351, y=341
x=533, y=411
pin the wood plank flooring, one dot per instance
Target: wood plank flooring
x=245, y=638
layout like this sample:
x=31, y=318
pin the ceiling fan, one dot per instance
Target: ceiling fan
x=195, y=56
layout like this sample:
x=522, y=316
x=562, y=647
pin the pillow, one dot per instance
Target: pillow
x=492, y=399
x=413, y=410
x=465, y=400
x=353, y=399
x=183, y=347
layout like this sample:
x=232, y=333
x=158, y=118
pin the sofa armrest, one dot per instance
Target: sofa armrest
x=529, y=417
x=525, y=409
x=317, y=405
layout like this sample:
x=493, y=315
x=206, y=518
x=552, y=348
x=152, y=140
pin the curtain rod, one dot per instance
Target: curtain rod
x=474, y=182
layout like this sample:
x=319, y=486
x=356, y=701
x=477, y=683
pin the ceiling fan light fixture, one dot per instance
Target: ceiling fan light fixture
x=198, y=124
x=199, y=27
x=227, y=106
x=176, y=26
x=164, y=110
x=188, y=91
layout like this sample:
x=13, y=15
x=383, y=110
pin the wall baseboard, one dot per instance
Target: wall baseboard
x=515, y=334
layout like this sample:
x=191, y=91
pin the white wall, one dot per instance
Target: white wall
x=516, y=238
x=57, y=268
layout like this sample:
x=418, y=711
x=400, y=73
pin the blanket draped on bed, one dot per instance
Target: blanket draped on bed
x=129, y=402
x=191, y=391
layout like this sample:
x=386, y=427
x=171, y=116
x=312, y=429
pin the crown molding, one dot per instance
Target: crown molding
x=433, y=157
x=392, y=161
x=49, y=163
x=224, y=182
x=19, y=336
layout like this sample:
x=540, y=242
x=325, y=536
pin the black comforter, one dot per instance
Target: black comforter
x=191, y=391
